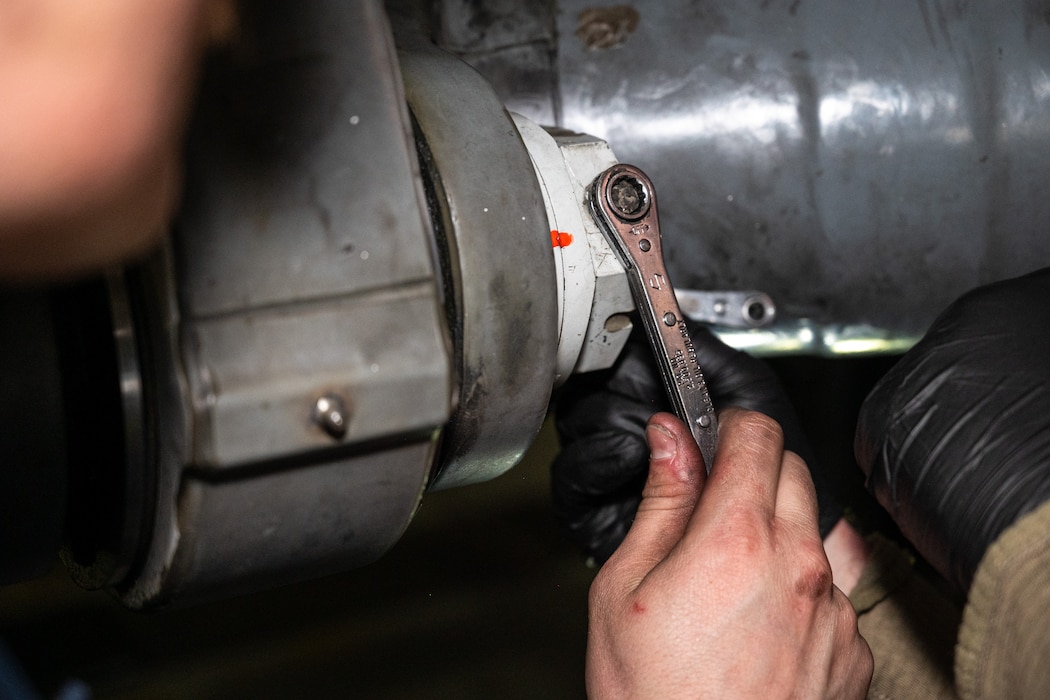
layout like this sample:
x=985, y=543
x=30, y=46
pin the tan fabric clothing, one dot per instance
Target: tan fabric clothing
x=1003, y=647
x=909, y=625
x=1004, y=642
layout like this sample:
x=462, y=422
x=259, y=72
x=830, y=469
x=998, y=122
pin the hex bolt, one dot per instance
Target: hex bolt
x=331, y=415
x=628, y=197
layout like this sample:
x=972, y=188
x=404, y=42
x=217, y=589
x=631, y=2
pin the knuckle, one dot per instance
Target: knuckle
x=847, y=614
x=796, y=470
x=795, y=462
x=866, y=662
x=610, y=586
x=761, y=427
x=745, y=534
x=813, y=579
x=736, y=548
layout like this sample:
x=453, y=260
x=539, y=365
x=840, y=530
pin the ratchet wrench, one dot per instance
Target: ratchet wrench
x=623, y=203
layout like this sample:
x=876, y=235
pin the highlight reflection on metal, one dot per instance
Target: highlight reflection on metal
x=109, y=570
x=807, y=337
x=624, y=205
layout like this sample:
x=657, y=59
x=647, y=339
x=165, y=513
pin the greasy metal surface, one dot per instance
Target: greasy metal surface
x=511, y=43
x=498, y=23
x=266, y=369
x=272, y=528
x=302, y=269
x=863, y=163
x=728, y=308
x=624, y=203
x=501, y=264
x=301, y=181
x=304, y=254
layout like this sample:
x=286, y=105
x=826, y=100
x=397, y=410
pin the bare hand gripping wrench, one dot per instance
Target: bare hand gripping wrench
x=623, y=203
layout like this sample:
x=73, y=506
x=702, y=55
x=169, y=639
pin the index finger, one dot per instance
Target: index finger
x=745, y=475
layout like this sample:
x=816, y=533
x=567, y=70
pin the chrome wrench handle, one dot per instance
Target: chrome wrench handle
x=623, y=202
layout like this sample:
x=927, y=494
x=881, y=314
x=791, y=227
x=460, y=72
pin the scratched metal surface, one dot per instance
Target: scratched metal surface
x=863, y=162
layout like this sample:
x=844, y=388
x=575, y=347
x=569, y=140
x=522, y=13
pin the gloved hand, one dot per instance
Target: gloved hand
x=597, y=477
x=955, y=439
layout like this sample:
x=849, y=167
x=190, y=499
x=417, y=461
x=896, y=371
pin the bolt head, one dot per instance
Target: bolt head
x=628, y=197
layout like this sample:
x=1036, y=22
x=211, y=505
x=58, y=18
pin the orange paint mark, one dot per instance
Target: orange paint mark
x=560, y=239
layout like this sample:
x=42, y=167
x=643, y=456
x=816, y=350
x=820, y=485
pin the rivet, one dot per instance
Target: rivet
x=331, y=416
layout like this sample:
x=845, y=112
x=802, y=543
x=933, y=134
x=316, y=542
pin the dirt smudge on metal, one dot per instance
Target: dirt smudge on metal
x=606, y=27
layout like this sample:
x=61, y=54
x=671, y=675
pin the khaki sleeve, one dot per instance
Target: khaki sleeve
x=909, y=625
x=1004, y=641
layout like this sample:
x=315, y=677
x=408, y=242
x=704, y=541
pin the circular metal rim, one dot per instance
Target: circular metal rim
x=505, y=284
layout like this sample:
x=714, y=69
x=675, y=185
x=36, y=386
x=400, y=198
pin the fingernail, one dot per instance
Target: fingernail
x=662, y=444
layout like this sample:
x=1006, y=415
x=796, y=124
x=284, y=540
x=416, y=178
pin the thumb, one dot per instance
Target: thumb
x=676, y=479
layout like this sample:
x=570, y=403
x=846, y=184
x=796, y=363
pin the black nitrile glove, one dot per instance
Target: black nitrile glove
x=955, y=439
x=597, y=478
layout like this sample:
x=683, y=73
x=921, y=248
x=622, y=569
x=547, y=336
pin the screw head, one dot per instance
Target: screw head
x=628, y=197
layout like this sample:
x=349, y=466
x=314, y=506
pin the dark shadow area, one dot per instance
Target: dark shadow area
x=481, y=598
x=828, y=394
